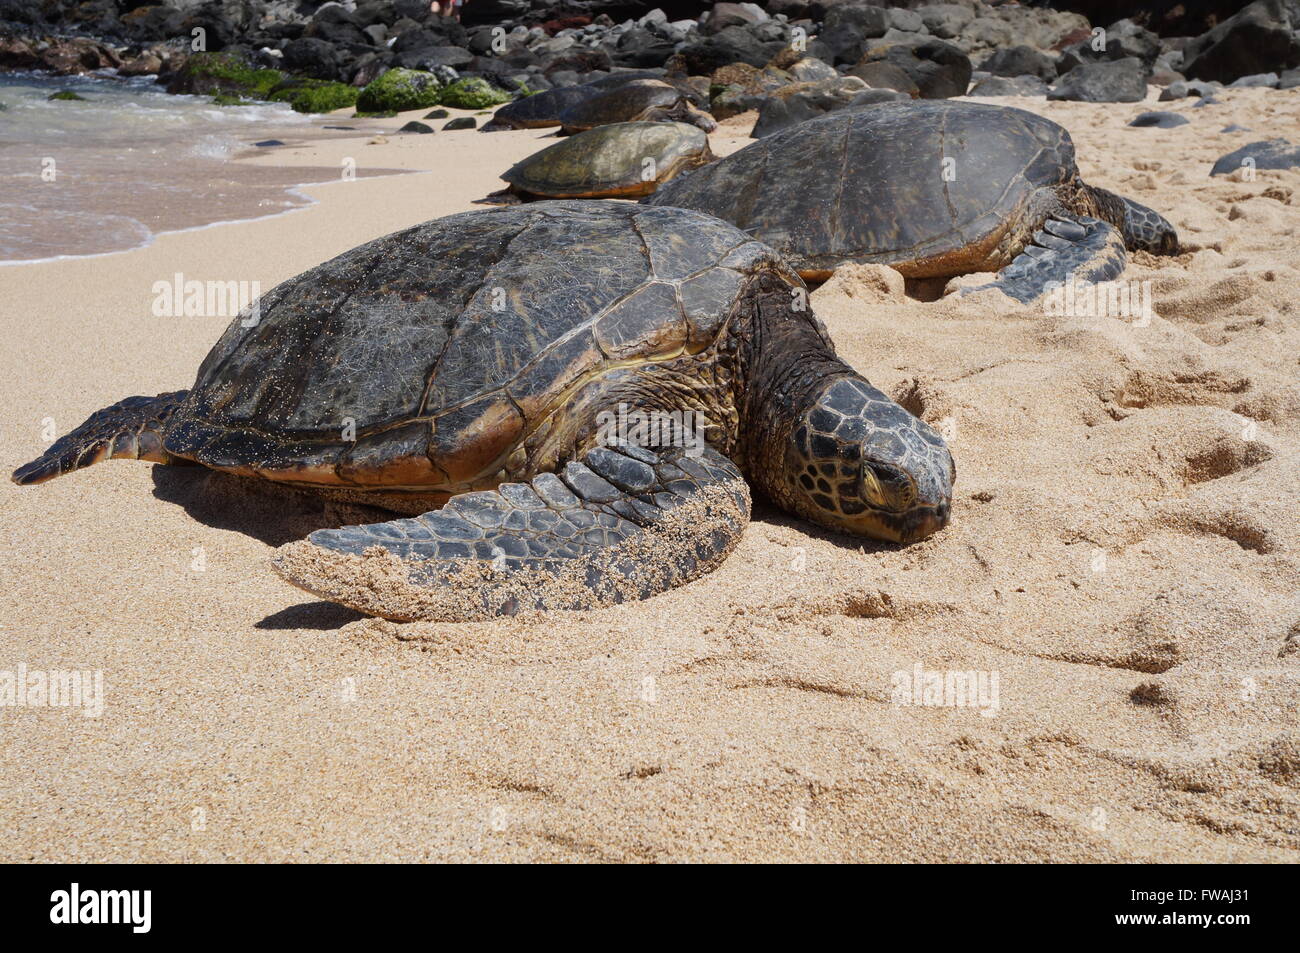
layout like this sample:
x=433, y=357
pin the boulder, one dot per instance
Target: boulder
x=731, y=45
x=885, y=75
x=945, y=20
x=1266, y=154
x=802, y=101
x=846, y=30
x=313, y=57
x=1159, y=119
x=398, y=90
x=1260, y=38
x=724, y=15
x=1113, y=81
x=1181, y=89
x=1123, y=39
x=938, y=69
x=1021, y=61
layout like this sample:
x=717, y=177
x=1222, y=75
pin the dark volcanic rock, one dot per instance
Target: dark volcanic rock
x=1121, y=40
x=1185, y=88
x=639, y=48
x=416, y=126
x=939, y=69
x=848, y=27
x=1117, y=81
x=1021, y=61
x=313, y=57
x=431, y=57
x=462, y=122
x=802, y=101
x=885, y=75
x=1260, y=38
x=732, y=45
x=946, y=20
x=1266, y=154
x=1161, y=120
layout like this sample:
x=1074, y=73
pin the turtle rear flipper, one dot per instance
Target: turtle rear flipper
x=131, y=429
x=1067, y=248
x=624, y=524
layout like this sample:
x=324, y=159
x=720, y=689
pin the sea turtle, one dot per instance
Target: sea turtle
x=544, y=108
x=622, y=160
x=647, y=100
x=586, y=386
x=540, y=109
x=932, y=188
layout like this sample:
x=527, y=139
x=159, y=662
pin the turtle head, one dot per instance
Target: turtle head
x=1144, y=229
x=859, y=463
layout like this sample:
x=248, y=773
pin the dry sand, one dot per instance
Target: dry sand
x=1124, y=555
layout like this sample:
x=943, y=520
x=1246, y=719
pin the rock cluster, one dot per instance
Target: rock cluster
x=788, y=59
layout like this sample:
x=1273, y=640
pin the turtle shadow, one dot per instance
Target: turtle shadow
x=316, y=616
x=272, y=514
x=765, y=511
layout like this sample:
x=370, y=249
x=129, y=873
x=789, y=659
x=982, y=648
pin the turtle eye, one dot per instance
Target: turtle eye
x=886, y=487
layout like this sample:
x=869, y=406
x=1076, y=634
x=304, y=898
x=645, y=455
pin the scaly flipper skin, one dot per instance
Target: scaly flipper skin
x=626, y=523
x=1066, y=248
x=131, y=429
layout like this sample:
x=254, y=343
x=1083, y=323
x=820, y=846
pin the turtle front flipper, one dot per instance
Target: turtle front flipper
x=624, y=524
x=131, y=429
x=1066, y=249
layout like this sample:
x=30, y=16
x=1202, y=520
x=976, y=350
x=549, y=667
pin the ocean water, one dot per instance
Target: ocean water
x=108, y=174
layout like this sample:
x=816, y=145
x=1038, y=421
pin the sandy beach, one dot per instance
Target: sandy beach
x=1123, y=558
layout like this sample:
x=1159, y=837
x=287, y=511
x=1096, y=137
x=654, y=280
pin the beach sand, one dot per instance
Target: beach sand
x=1124, y=557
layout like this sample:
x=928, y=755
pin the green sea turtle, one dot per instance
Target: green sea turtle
x=642, y=100
x=932, y=188
x=544, y=108
x=622, y=160
x=540, y=109
x=541, y=373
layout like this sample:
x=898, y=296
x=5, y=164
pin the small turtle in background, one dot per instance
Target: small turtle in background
x=932, y=188
x=543, y=109
x=623, y=160
x=500, y=372
x=539, y=110
x=642, y=100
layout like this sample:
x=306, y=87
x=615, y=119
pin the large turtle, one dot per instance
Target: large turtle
x=931, y=188
x=622, y=160
x=527, y=370
x=642, y=100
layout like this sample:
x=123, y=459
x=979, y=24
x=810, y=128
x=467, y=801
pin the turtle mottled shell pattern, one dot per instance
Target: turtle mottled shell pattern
x=611, y=160
x=893, y=183
x=421, y=359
